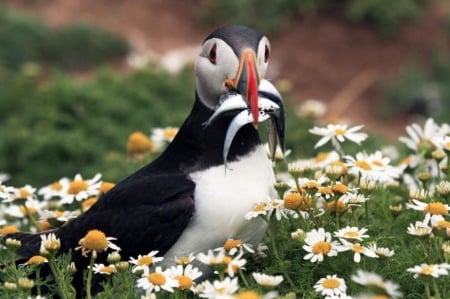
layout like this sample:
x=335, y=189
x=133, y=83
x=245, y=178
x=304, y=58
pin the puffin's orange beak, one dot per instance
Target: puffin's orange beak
x=247, y=82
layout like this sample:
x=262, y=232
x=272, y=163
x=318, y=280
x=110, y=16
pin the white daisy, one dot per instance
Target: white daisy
x=234, y=265
x=311, y=108
x=380, y=251
x=433, y=208
x=49, y=244
x=319, y=244
x=427, y=270
x=56, y=189
x=351, y=233
x=375, y=281
x=79, y=189
x=420, y=229
x=233, y=246
x=219, y=288
x=144, y=261
x=260, y=209
x=358, y=250
x=269, y=281
x=157, y=281
x=331, y=285
x=338, y=133
x=6, y=192
x=102, y=269
x=373, y=166
x=185, y=276
x=421, y=139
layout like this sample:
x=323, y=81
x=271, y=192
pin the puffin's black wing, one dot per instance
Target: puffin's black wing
x=144, y=212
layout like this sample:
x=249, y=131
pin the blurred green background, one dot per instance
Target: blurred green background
x=69, y=99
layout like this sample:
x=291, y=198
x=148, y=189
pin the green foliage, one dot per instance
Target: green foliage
x=420, y=92
x=264, y=15
x=24, y=39
x=61, y=127
x=386, y=15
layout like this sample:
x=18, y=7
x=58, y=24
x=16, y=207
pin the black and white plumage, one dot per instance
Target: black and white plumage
x=195, y=195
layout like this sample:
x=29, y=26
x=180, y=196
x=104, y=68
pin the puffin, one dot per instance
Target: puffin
x=195, y=195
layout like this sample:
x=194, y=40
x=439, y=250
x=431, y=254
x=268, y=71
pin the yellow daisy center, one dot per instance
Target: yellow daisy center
x=56, y=186
x=321, y=247
x=106, y=186
x=169, y=133
x=363, y=165
x=9, y=229
x=248, y=295
x=107, y=269
x=436, y=208
x=146, y=260
x=184, y=282
x=335, y=206
x=340, y=164
x=377, y=163
x=260, y=207
x=339, y=188
x=428, y=270
x=23, y=193
x=325, y=190
x=77, y=186
x=27, y=211
x=351, y=234
x=95, y=240
x=185, y=260
x=292, y=200
x=443, y=224
x=231, y=243
x=36, y=260
x=357, y=248
x=331, y=283
x=226, y=260
x=321, y=157
x=139, y=143
x=88, y=203
x=156, y=279
x=340, y=131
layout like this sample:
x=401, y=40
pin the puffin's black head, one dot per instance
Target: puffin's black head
x=232, y=58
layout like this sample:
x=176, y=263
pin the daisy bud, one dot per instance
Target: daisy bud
x=25, y=283
x=443, y=188
x=122, y=266
x=13, y=244
x=438, y=155
x=10, y=286
x=396, y=210
x=281, y=188
x=113, y=257
x=446, y=249
x=72, y=268
x=424, y=176
x=299, y=235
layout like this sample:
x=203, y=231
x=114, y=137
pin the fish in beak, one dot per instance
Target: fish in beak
x=270, y=109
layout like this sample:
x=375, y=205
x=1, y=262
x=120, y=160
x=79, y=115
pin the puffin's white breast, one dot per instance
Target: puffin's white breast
x=222, y=198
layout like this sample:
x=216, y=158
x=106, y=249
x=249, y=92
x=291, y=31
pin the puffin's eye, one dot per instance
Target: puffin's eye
x=212, y=56
x=266, y=54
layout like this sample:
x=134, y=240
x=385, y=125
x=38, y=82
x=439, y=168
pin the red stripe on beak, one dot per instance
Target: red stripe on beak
x=252, y=89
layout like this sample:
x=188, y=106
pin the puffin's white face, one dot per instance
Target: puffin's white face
x=219, y=69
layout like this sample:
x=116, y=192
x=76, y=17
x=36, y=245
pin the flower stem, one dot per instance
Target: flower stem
x=89, y=276
x=437, y=294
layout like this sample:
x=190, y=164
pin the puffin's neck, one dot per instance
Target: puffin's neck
x=196, y=147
